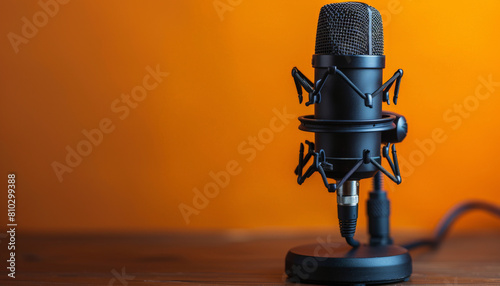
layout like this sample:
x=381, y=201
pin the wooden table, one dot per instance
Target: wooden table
x=221, y=258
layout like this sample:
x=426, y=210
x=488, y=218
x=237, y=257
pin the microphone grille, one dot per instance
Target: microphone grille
x=349, y=28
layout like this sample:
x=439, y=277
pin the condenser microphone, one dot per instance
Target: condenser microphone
x=347, y=94
x=352, y=136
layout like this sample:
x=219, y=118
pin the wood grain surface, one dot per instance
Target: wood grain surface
x=234, y=257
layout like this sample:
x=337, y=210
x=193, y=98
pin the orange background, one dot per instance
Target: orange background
x=227, y=73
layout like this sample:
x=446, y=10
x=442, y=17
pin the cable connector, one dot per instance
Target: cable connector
x=347, y=209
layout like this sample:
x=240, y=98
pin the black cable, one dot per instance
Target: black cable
x=352, y=242
x=452, y=215
x=348, y=218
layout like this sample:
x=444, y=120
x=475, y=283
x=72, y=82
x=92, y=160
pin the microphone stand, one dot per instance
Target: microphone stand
x=377, y=262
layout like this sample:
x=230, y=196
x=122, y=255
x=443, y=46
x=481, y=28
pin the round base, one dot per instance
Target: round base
x=338, y=263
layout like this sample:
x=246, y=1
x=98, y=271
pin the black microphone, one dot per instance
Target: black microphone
x=348, y=120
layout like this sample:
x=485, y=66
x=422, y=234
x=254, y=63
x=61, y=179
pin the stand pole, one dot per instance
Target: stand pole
x=378, y=210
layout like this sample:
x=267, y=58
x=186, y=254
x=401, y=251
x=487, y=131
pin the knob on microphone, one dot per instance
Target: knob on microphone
x=348, y=93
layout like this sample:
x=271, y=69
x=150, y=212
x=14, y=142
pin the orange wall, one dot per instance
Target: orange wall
x=227, y=72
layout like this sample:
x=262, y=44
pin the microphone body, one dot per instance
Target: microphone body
x=339, y=102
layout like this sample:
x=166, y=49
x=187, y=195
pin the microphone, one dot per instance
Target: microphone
x=348, y=120
x=352, y=136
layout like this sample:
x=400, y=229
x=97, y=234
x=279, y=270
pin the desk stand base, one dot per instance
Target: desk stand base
x=341, y=264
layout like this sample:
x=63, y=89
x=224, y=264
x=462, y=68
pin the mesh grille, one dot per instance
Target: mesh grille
x=343, y=29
